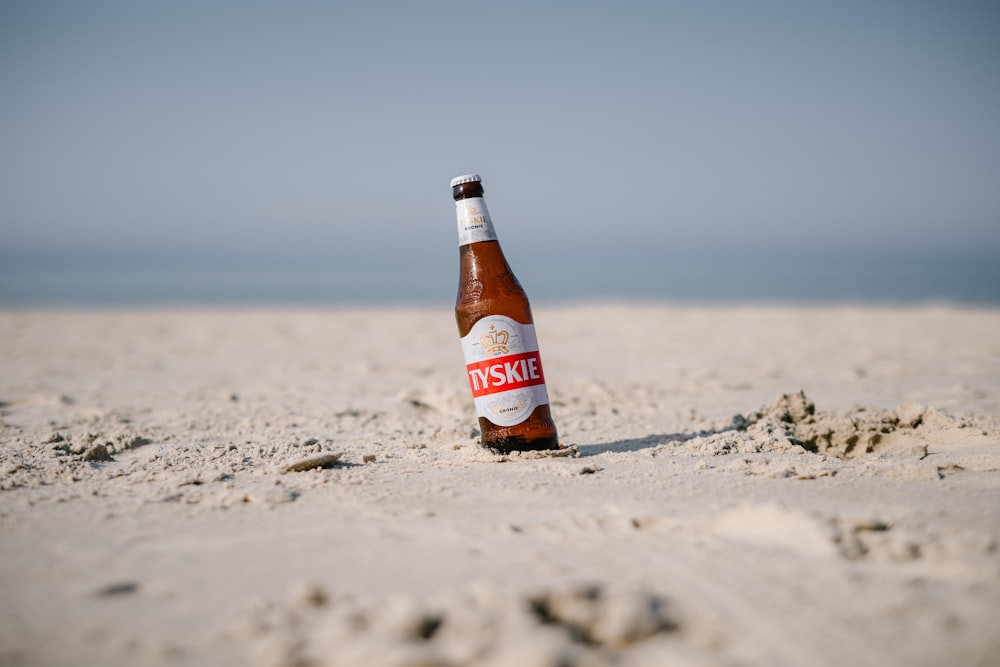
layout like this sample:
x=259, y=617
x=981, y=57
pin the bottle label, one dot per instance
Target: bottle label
x=505, y=371
x=474, y=223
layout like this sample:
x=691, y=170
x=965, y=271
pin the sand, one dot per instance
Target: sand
x=739, y=486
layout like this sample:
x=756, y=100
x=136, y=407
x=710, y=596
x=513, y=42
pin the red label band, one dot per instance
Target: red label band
x=514, y=371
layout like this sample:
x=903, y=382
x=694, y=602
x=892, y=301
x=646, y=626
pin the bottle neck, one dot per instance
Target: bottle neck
x=470, y=189
x=486, y=283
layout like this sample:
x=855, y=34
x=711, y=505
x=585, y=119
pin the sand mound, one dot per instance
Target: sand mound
x=853, y=433
x=793, y=423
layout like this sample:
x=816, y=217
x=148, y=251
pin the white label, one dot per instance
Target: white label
x=504, y=369
x=474, y=223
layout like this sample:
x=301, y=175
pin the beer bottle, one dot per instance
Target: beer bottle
x=498, y=334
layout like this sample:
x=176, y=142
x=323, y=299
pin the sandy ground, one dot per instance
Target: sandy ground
x=740, y=486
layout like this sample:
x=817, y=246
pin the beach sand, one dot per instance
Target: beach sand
x=738, y=486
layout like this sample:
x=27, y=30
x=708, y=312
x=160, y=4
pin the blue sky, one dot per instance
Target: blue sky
x=312, y=132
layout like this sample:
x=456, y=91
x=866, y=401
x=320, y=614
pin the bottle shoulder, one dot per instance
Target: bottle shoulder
x=488, y=286
x=473, y=308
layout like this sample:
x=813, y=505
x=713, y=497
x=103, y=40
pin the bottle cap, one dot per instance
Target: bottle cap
x=467, y=178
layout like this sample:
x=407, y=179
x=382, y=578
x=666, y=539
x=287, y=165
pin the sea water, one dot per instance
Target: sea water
x=970, y=278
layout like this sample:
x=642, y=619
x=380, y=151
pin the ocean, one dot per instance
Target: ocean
x=971, y=278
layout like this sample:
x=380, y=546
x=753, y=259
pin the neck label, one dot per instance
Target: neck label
x=474, y=223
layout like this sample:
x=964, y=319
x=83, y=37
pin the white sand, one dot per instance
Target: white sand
x=694, y=527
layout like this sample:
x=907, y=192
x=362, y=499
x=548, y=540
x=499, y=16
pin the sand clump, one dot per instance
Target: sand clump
x=853, y=433
x=793, y=424
x=585, y=624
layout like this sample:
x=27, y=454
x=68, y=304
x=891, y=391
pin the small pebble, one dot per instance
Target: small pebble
x=324, y=461
x=119, y=588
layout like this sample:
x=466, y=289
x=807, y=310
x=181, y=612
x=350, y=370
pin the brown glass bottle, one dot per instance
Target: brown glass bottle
x=497, y=331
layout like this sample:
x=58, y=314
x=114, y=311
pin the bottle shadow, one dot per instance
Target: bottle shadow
x=650, y=441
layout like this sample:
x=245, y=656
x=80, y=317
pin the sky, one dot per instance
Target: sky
x=325, y=133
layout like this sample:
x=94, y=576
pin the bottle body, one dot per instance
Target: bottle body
x=498, y=336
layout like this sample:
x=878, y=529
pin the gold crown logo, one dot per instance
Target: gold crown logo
x=495, y=341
